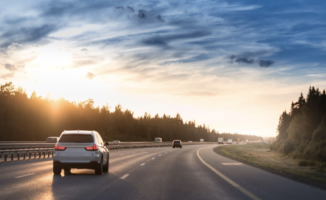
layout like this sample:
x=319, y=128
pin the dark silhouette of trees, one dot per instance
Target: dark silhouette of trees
x=36, y=118
x=302, y=131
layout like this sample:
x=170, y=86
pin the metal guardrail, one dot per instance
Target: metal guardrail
x=10, y=154
x=26, y=145
x=9, y=151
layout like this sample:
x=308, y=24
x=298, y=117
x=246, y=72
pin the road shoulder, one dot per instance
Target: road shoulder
x=272, y=169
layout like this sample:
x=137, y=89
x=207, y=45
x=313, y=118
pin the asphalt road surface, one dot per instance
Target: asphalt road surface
x=193, y=172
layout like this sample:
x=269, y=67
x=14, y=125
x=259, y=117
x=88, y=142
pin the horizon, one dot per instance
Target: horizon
x=234, y=65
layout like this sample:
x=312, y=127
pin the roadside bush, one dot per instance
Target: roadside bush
x=310, y=150
x=321, y=151
x=320, y=133
x=275, y=146
x=287, y=147
x=321, y=167
x=300, y=149
x=304, y=163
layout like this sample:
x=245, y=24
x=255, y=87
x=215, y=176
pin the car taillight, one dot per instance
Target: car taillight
x=92, y=148
x=59, y=148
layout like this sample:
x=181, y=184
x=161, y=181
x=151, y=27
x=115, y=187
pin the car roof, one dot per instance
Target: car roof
x=176, y=140
x=52, y=137
x=79, y=132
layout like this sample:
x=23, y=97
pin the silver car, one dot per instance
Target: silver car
x=82, y=150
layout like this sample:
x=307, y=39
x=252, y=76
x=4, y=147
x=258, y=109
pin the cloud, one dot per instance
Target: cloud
x=84, y=50
x=141, y=14
x=198, y=58
x=242, y=59
x=27, y=34
x=130, y=8
x=119, y=7
x=159, y=18
x=10, y=67
x=90, y=76
x=265, y=63
x=6, y=76
x=197, y=93
x=163, y=40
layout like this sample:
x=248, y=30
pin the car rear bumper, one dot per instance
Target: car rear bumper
x=76, y=157
x=177, y=145
x=90, y=165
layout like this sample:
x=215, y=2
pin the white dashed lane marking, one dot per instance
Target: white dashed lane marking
x=232, y=164
x=124, y=176
x=142, y=164
x=25, y=175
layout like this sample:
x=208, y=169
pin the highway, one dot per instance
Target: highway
x=193, y=172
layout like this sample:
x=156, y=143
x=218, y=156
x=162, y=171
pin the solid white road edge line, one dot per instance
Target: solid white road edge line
x=234, y=184
x=25, y=175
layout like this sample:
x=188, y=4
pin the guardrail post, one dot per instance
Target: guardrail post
x=29, y=155
x=18, y=156
x=24, y=156
x=39, y=155
x=12, y=157
x=34, y=155
x=5, y=157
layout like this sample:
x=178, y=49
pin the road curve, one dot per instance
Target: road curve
x=193, y=172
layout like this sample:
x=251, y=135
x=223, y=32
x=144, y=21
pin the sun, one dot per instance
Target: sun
x=53, y=56
x=52, y=75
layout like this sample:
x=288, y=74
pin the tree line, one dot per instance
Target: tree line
x=302, y=131
x=35, y=118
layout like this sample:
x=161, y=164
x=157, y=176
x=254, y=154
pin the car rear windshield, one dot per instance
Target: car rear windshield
x=176, y=142
x=78, y=138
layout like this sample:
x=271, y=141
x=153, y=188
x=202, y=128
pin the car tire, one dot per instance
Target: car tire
x=106, y=166
x=56, y=169
x=180, y=147
x=173, y=147
x=99, y=168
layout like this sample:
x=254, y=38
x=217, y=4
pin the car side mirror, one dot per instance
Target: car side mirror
x=106, y=143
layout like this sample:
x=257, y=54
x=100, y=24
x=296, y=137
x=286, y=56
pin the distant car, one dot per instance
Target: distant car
x=116, y=141
x=52, y=140
x=81, y=150
x=177, y=143
x=158, y=139
x=189, y=141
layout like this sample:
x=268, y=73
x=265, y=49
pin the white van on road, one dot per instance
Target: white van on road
x=81, y=150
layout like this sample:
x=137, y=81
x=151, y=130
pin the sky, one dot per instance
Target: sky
x=233, y=65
